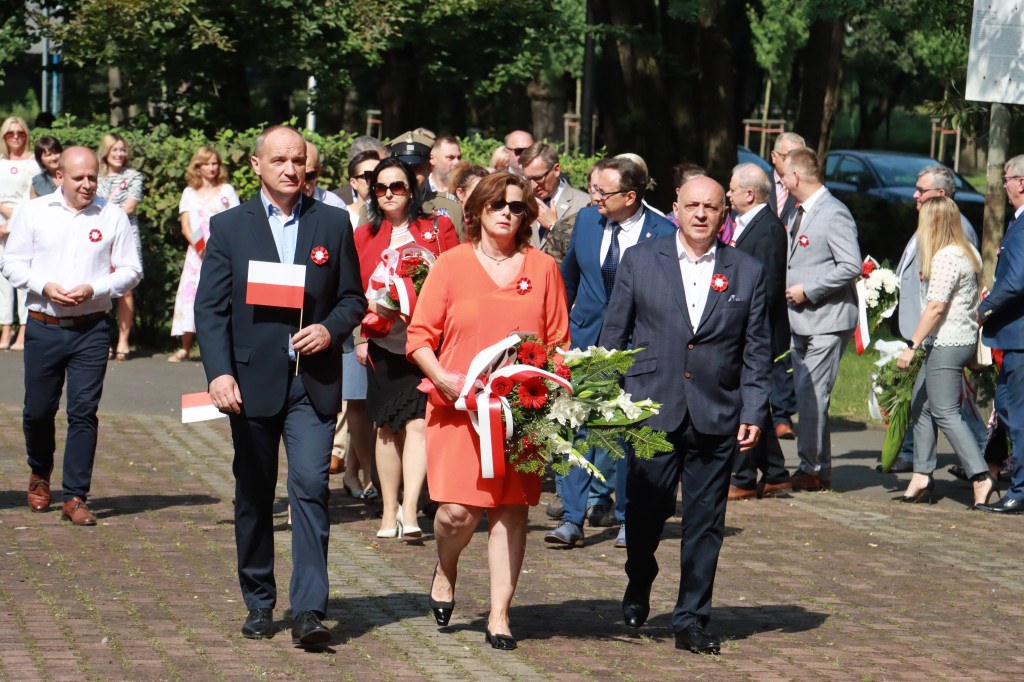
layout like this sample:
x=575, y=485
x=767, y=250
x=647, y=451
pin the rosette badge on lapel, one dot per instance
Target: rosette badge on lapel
x=95, y=235
x=803, y=240
x=319, y=255
x=719, y=282
x=524, y=286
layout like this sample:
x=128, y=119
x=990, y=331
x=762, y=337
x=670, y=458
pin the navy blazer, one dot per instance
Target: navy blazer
x=581, y=271
x=251, y=342
x=1002, y=309
x=765, y=239
x=719, y=374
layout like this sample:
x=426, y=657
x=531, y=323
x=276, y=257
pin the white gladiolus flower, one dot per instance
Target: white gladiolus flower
x=575, y=354
x=625, y=403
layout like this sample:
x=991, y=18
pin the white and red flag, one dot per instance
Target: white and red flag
x=198, y=239
x=275, y=284
x=198, y=407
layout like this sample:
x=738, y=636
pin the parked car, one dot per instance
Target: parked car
x=878, y=187
x=746, y=155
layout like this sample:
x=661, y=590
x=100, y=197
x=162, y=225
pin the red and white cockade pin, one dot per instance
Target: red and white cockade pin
x=95, y=235
x=224, y=200
x=719, y=282
x=14, y=170
x=428, y=235
x=523, y=286
x=123, y=185
x=803, y=240
x=319, y=255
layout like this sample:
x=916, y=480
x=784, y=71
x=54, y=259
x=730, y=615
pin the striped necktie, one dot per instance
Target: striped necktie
x=611, y=261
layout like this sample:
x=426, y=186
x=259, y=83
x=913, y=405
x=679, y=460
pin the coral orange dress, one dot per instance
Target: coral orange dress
x=462, y=308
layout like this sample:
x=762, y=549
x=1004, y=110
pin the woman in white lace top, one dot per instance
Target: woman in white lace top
x=948, y=335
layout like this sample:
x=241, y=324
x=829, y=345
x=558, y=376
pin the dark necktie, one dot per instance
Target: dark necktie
x=611, y=261
x=799, y=219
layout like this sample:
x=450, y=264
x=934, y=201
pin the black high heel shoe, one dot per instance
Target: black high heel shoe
x=442, y=609
x=993, y=491
x=503, y=642
x=926, y=492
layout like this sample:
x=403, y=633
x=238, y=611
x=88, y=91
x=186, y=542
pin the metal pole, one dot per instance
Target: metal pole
x=587, y=114
x=55, y=99
x=310, y=114
x=45, y=105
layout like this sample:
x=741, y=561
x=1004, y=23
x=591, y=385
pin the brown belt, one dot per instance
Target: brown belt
x=65, y=321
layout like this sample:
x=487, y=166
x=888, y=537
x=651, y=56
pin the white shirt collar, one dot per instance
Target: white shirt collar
x=743, y=220
x=708, y=255
x=809, y=202
x=1016, y=214
x=632, y=221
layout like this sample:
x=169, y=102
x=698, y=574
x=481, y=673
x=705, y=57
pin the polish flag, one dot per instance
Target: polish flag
x=198, y=240
x=275, y=284
x=862, y=335
x=197, y=407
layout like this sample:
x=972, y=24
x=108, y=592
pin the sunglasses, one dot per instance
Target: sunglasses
x=516, y=208
x=517, y=150
x=14, y=133
x=365, y=175
x=311, y=175
x=398, y=188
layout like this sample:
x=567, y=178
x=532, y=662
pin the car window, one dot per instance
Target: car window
x=899, y=171
x=830, y=166
x=854, y=172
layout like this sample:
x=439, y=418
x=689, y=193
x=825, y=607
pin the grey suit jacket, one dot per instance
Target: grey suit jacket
x=825, y=258
x=571, y=202
x=907, y=272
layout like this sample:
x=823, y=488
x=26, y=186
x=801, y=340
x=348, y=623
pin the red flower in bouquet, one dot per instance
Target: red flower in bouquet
x=533, y=393
x=867, y=267
x=563, y=371
x=501, y=386
x=533, y=353
x=409, y=265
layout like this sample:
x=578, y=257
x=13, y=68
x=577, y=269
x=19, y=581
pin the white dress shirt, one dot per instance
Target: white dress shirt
x=742, y=221
x=629, y=235
x=696, y=279
x=329, y=198
x=51, y=242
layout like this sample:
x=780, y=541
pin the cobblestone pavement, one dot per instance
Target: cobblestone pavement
x=815, y=586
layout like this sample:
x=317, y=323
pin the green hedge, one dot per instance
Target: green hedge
x=162, y=158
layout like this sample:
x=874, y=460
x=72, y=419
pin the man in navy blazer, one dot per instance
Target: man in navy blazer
x=699, y=312
x=601, y=235
x=1001, y=315
x=251, y=354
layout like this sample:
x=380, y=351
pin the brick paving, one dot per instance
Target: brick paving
x=815, y=586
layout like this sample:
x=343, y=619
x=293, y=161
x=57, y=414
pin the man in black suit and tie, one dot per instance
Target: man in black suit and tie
x=251, y=354
x=698, y=310
x=761, y=234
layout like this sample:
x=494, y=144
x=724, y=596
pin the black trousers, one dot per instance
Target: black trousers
x=766, y=457
x=700, y=464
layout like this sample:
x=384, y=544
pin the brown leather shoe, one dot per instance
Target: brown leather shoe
x=802, y=480
x=77, y=513
x=740, y=493
x=785, y=432
x=38, y=493
x=771, y=489
x=337, y=465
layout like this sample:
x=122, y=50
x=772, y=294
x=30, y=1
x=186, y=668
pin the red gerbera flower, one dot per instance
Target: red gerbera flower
x=533, y=393
x=501, y=386
x=533, y=353
x=563, y=371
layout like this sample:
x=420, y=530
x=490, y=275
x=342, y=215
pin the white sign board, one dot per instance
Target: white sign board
x=995, y=68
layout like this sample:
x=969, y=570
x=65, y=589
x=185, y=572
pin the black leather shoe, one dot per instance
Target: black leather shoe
x=307, y=629
x=636, y=605
x=900, y=466
x=259, y=624
x=694, y=638
x=1007, y=505
x=442, y=609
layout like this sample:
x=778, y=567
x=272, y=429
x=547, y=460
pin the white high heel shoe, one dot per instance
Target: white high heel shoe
x=395, y=532
x=412, y=532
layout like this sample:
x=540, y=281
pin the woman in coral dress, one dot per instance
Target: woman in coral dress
x=476, y=295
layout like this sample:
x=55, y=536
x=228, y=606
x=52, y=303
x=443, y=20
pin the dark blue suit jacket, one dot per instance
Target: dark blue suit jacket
x=718, y=373
x=251, y=342
x=581, y=271
x=1002, y=309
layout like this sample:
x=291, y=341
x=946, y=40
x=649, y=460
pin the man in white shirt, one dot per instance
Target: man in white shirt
x=309, y=187
x=73, y=251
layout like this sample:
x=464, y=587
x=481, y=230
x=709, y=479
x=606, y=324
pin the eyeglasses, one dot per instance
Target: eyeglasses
x=922, y=190
x=398, y=188
x=311, y=175
x=14, y=133
x=516, y=208
x=538, y=178
x=517, y=150
x=604, y=195
x=1007, y=178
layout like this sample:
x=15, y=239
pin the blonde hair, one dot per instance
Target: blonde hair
x=106, y=144
x=194, y=178
x=8, y=122
x=938, y=226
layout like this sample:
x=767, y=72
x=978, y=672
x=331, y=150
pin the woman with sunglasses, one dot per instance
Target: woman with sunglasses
x=17, y=168
x=475, y=296
x=393, y=402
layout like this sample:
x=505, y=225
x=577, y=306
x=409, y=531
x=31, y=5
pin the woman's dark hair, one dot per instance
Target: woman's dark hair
x=47, y=144
x=415, y=206
x=359, y=158
x=492, y=189
x=463, y=173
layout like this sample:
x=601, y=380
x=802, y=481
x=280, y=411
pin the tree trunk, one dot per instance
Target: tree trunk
x=113, y=88
x=995, y=194
x=547, y=103
x=872, y=119
x=823, y=71
x=717, y=110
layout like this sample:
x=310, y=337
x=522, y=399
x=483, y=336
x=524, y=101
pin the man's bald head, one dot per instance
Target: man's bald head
x=77, y=172
x=80, y=154
x=701, y=212
x=274, y=131
x=312, y=157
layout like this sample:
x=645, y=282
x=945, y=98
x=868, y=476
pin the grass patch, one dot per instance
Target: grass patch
x=853, y=384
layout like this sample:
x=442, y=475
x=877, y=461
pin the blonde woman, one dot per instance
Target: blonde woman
x=121, y=186
x=947, y=334
x=208, y=193
x=17, y=168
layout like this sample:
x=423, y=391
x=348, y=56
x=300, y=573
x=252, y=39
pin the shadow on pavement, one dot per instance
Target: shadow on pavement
x=125, y=505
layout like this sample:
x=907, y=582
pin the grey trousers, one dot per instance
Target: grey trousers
x=936, y=398
x=815, y=366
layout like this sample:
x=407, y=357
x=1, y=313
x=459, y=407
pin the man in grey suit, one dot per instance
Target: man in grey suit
x=934, y=180
x=555, y=196
x=698, y=312
x=824, y=262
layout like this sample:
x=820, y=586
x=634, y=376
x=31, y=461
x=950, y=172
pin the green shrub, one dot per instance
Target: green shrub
x=162, y=158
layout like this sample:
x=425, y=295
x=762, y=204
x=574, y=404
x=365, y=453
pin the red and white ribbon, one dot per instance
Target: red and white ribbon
x=485, y=409
x=862, y=336
x=386, y=281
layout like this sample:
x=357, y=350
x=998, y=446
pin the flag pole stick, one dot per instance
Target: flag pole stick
x=297, y=355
